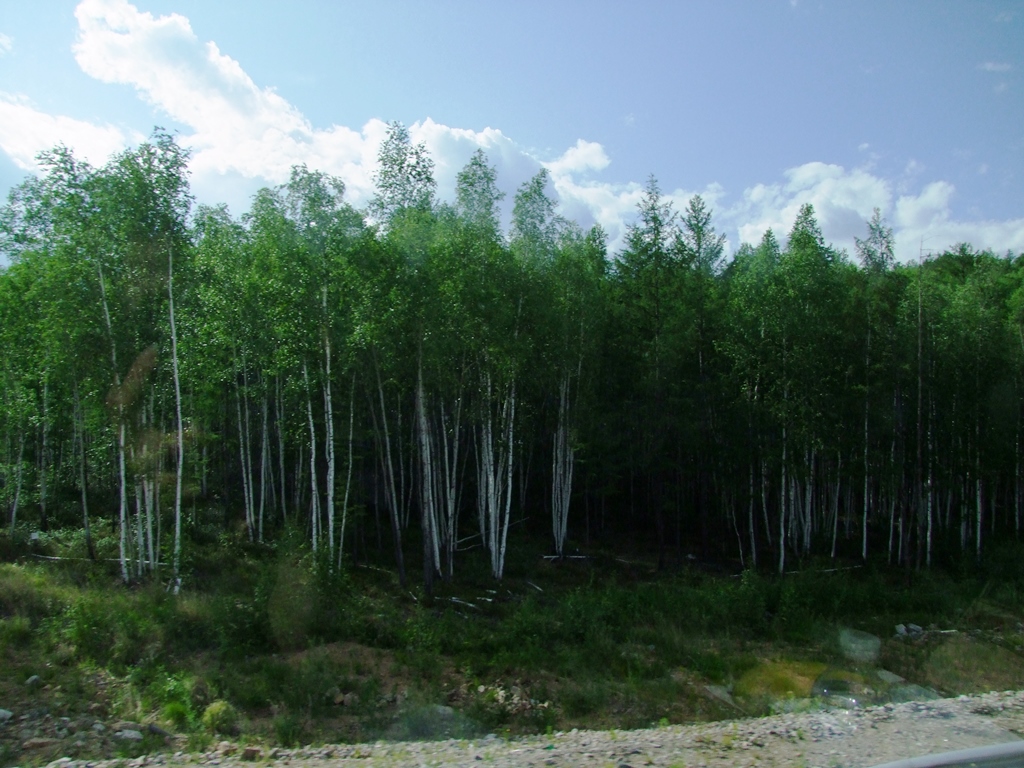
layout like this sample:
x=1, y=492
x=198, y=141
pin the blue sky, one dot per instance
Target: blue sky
x=913, y=107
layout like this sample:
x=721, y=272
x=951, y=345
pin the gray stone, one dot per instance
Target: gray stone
x=33, y=682
x=99, y=727
x=5, y=715
x=901, y=630
x=914, y=630
x=859, y=646
x=843, y=702
x=128, y=734
x=889, y=677
x=38, y=742
x=911, y=692
x=721, y=693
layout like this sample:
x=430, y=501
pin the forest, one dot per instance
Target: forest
x=412, y=385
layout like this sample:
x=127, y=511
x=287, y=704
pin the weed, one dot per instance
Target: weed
x=15, y=632
x=220, y=717
x=288, y=729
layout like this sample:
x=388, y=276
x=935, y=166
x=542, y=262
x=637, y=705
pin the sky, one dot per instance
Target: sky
x=760, y=106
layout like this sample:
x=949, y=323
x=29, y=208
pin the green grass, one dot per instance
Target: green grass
x=273, y=633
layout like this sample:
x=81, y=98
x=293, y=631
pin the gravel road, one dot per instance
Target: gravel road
x=836, y=738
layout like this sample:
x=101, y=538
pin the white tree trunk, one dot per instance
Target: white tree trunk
x=388, y=470
x=122, y=474
x=250, y=506
x=563, y=457
x=264, y=465
x=44, y=455
x=451, y=432
x=18, y=474
x=496, y=457
x=428, y=506
x=348, y=475
x=315, y=501
x=179, y=423
x=329, y=440
x=279, y=411
x=242, y=451
x=79, y=419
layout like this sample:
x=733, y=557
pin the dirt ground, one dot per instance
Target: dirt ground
x=833, y=738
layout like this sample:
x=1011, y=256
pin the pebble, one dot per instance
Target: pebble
x=38, y=742
x=5, y=715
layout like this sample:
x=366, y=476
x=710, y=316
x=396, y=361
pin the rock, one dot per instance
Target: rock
x=33, y=682
x=59, y=763
x=859, y=646
x=38, y=742
x=156, y=730
x=252, y=753
x=128, y=734
x=5, y=715
x=226, y=748
x=843, y=702
x=914, y=630
x=721, y=693
x=443, y=712
x=99, y=727
x=889, y=677
x=911, y=692
x=350, y=699
x=127, y=725
x=901, y=630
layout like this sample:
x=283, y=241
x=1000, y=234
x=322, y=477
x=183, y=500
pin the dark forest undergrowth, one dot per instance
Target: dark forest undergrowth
x=265, y=644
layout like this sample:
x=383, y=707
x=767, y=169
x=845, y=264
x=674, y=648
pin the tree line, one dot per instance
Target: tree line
x=412, y=377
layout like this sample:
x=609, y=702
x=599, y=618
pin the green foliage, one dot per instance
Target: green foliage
x=288, y=730
x=220, y=717
x=15, y=631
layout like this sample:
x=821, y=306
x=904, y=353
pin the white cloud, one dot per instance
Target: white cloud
x=244, y=131
x=926, y=221
x=585, y=156
x=6, y=43
x=451, y=149
x=995, y=66
x=243, y=136
x=237, y=125
x=25, y=131
x=844, y=201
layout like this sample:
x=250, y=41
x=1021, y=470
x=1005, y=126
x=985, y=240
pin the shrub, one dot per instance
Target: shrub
x=15, y=631
x=288, y=730
x=179, y=715
x=221, y=717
